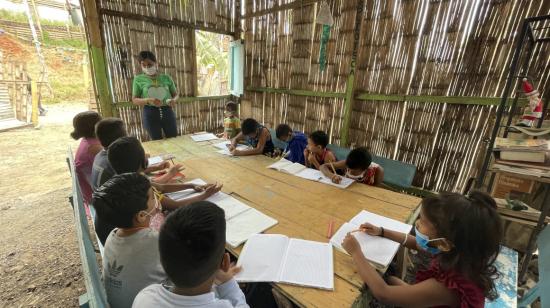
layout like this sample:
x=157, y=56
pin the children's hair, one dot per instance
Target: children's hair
x=359, y=158
x=249, y=126
x=474, y=227
x=231, y=106
x=282, y=130
x=119, y=199
x=146, y=55
x=192, y=243
x=126, y=154
x=84, y=124
x=108, y=130
x=319, y=138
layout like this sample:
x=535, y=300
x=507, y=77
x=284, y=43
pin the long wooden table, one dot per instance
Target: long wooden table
x=303, y=208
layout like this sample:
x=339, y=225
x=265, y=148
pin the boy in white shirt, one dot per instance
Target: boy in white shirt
x=131, y=258
x=192, y=251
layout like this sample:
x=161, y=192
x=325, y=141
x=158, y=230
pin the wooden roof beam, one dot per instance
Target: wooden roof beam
x=293, y=5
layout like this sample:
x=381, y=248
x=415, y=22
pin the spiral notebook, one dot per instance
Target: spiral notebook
x=277, y=258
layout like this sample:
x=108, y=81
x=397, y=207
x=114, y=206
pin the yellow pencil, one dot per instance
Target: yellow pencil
x=332, y=167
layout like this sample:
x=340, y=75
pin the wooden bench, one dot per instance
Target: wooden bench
x=95, y=295
x=397, y=174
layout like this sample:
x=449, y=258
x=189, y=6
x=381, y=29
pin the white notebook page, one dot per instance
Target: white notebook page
x=280, y=165
x=231, y=206
x=293, y=168
x=246, y=224
x=262, y=258
x=203, y=137
x=308, y=263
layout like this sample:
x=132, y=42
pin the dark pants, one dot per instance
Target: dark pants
x=156, y=120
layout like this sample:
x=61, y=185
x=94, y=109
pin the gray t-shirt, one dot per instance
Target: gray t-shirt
x=101, y=170
x=130, y=264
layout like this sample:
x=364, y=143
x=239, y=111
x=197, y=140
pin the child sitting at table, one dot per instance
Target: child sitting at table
x=84, y=127
x=126, y=155
x=231, y=122
x=192, y=252
x=316, y=153
x=131, y=258
x=107, y=131
x=296, y=143
x=462, y=233
x=358, y=166
x=255, y=135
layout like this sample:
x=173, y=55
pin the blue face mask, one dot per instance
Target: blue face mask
x=422, y=240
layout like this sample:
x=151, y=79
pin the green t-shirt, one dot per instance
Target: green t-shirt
x=232, y=126
x=160, y=87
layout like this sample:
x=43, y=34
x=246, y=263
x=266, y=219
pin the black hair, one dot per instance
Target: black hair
x=108, y=130
x=192, y=243
x=231, y=106
x=282, y=130
x=474, y=227
x=119, y=199
x=84, y=124
x=359, y=158
x=146, y=55
x=319, y=138
x=249, y=126
x=126, y=154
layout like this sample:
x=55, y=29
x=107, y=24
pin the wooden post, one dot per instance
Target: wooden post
x=97, y=58
x=350, y=84
x=34, y=95
x=38, y=20
x=85, y=72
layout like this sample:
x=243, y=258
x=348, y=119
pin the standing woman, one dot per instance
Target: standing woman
x=157, y=94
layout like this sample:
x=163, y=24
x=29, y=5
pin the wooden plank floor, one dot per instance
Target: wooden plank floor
x=303, y=208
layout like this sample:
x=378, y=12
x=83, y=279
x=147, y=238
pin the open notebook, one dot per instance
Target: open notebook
x=242, y=221
x=376, y=249
x=302, y=171
x=277, y=258
x=203, y=137
x=287, y=166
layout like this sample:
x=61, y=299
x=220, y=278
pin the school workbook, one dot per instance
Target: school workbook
x=376, y=249
x=242, y=221
x=278, y=258
x=303, y=172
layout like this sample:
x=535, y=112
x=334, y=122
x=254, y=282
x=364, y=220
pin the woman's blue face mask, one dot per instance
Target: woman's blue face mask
x=422, y=240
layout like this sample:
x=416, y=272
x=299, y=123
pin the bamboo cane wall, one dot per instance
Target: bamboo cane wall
x=442, y=48
x=126, y=34
x=407, y=47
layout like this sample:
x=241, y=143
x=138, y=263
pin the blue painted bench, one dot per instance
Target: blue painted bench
x=542, y=288
x=397, y=174
x=95, y=296
x=507, y=283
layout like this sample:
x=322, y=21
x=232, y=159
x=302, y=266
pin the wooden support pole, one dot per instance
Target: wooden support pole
x=34, y=96
x=97, y=58
x=283, y=7
x=350, y=84
x=37, y=16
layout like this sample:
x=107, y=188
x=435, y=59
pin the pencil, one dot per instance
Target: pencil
x=330, y=227
x=358, y=230
x=332, y=167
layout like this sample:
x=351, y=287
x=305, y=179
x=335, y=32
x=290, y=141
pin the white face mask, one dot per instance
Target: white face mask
x=150, y=71
x=354, y=177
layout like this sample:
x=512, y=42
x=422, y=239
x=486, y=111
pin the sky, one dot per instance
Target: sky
x=44, y=12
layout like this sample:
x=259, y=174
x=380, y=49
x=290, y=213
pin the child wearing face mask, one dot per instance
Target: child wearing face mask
x=157, y=94
x=357, y=166
x=131, y=259
x=462, y=233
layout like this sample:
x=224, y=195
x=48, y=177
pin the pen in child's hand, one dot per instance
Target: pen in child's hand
x=359, y=230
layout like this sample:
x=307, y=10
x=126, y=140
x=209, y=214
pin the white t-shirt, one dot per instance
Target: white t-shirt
x=226, y=295
x=130, y=264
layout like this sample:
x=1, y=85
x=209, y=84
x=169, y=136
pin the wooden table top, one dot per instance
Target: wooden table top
x=303, y=208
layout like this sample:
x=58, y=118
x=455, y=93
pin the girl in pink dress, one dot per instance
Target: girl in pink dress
x=84, y=129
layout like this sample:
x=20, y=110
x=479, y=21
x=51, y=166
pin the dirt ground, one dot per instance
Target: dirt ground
x=39, y=259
